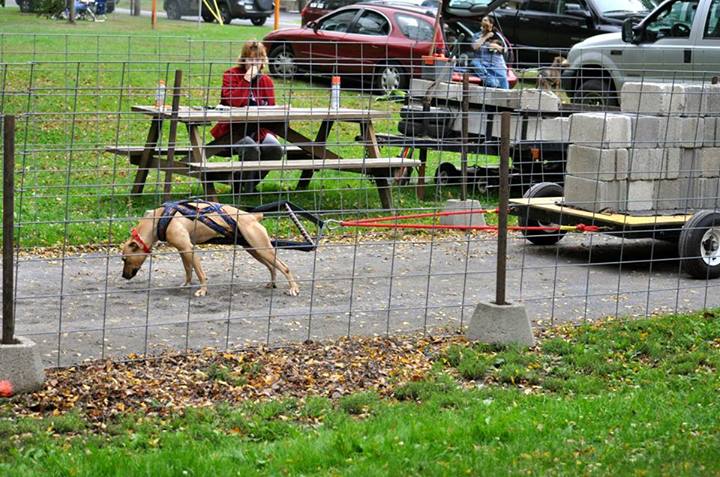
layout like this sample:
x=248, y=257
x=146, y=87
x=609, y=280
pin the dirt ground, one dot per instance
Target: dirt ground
x=82, y=306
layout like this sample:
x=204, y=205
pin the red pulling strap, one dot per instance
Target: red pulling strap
x=138, y=240
x=587, y=228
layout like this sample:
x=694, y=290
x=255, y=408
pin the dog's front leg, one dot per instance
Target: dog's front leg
x=188, y=265
x=191, y=261
x=200, y=274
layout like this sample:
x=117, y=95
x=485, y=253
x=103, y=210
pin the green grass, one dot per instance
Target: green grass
x=72, y=88
x=621, y=398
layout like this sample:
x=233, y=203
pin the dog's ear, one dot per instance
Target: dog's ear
x=134, y=247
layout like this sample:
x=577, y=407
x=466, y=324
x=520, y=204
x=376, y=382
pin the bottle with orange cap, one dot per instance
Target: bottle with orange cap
x=335, y=93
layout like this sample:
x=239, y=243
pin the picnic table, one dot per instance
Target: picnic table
x=303, y=153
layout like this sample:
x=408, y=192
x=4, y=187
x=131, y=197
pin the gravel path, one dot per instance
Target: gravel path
x=345, y=288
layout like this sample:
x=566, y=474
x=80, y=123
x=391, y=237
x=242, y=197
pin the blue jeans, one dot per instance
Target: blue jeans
x=494, y=76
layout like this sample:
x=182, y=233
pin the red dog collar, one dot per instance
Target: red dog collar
x=137, y=239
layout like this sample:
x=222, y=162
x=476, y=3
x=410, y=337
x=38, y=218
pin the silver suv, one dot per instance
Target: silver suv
x=678, y=41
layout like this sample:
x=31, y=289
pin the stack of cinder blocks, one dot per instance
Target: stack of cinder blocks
x=660, y=153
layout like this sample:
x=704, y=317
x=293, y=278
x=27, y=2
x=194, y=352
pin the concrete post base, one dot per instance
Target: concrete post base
x=20, y=364
x=454, y=205
x=501, y=324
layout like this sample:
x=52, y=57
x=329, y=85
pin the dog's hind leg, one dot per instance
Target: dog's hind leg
x=270, y=259
x=261, y=259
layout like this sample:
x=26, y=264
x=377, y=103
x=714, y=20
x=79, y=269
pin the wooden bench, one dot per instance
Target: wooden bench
x=355, y=165
x=135, y=152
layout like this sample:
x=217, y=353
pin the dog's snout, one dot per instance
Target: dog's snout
x=129, y=274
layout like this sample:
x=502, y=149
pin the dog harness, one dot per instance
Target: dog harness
x=230, y=233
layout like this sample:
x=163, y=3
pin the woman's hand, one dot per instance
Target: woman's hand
x=497, y=47
x=251, y=72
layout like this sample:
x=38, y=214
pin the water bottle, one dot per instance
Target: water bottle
x=335, y=93
x=160, y=95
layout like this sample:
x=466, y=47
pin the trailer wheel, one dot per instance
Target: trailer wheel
x=447, y=174
x=543, y=189
x=699, y=245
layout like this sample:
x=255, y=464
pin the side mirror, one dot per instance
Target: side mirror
x=628, y=33
x=576, y=10
x=311, y=24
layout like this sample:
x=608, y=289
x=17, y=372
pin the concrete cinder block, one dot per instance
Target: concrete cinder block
x=647, y=131
x=606, y=130
x=709, y=161
x=709, y=193
x=593, y=195
x=595, y=163
x=477, y=123
x=696, y=99
x=688, y=194
x=515, y=127
x=640, y=195
x=555, y=129
x=710, y=132
x=538, y=100
x=466, y=220
x=684, y=132
x=712, y=93
x=671, y=162
x=20, y=364
x=667, y=195
x=501, y=324
x=645, y=164
x=652, y=98
x=689, y=163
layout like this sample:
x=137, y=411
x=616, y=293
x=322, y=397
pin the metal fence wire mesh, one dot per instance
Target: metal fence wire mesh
x=614, y=193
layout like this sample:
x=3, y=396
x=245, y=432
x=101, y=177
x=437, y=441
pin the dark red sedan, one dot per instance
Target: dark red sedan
x=380, y=44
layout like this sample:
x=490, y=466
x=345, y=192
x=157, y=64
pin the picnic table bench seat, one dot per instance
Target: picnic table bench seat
x=359, y=165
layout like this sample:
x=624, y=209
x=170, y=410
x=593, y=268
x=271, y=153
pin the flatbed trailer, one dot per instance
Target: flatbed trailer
x=697, y=232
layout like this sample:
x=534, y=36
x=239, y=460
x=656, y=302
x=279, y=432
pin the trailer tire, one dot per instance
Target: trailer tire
x=699, y=245
x=411, y=128
x=447, y=174
x=543, y=189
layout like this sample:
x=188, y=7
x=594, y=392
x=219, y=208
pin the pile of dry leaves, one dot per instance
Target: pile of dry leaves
x=172, y=382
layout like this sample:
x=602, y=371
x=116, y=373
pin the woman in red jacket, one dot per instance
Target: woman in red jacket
x=245, y=85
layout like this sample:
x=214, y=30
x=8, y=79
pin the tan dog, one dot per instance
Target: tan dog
x=183, y=232
x=549, y=76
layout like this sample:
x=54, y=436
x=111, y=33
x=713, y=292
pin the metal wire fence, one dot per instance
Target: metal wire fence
x=638, y=164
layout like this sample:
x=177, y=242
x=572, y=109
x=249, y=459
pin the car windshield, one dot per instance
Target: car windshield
x=624, y=6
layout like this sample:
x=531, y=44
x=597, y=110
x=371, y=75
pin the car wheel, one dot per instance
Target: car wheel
x=225, y=13
x=390, y=77
x=25, y=6
x=596, y=92
x=207, y=16
x=258, y=21
x=172, y=9
x=282, y=62
x=699, y=245
x=540, y=237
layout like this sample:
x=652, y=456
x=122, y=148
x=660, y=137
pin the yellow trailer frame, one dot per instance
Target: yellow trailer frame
x=697, y=234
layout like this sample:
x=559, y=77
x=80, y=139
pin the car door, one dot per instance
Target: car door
x=366, y=44
x=572, y=24
x=418, y=35
x=664, y=52
x=706, y=51
x=321, y=52
x=534, y=29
